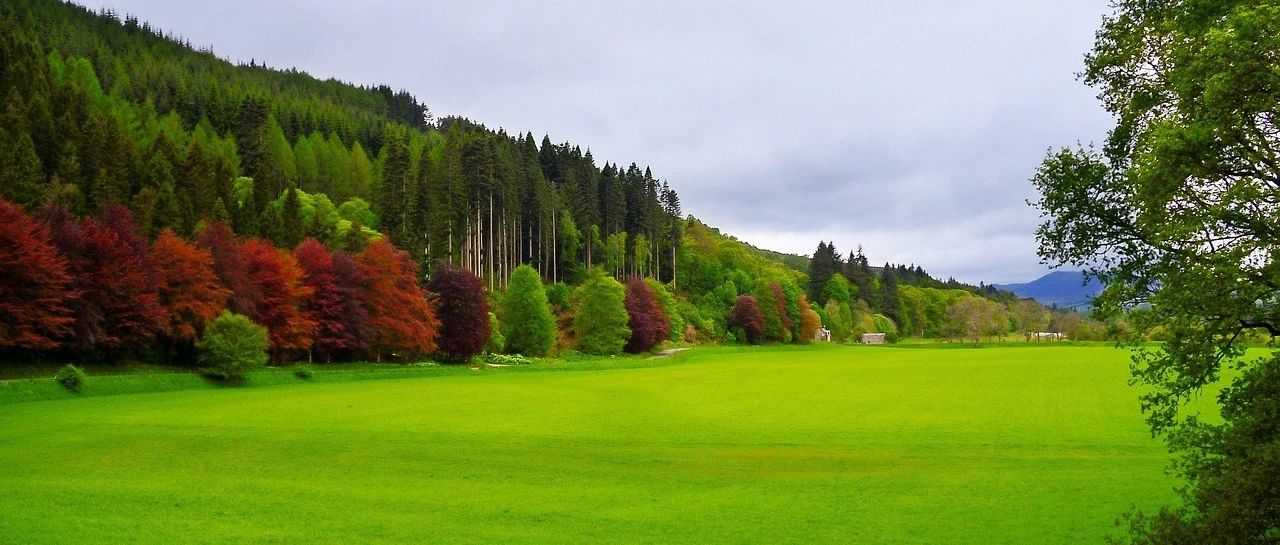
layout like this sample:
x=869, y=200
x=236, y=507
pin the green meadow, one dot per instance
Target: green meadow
x=820, y=444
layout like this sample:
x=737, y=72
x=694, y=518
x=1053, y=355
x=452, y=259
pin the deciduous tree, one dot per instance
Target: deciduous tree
x=462, y=310
x=188, y=290
x=746, y=316
x=35, y=288
x=649, y=326
x=403, y=321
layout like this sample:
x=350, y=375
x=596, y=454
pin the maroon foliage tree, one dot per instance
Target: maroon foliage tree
x=117, y=307
x=34, y=285
x=746, y=315
x=462, y=310
x=649, y=325
x=351, y=280
x=232, y=267
x=326, y=306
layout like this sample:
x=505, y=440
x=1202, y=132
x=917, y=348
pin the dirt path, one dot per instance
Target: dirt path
x=668, y=353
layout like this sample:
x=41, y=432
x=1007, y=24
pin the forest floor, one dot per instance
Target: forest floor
x=781, y=444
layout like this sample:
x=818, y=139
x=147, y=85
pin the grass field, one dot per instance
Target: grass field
x=720, y=445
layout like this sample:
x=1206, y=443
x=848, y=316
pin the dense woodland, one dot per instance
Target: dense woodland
x=135, y=164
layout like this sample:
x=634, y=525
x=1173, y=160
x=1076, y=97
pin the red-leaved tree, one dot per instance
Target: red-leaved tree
x=232, y=268
x=34, y=285
x=189, y=291
x=746, y=315
x=649, y=325
x=281, y=307
x=462, y=310
x=351, y=282
x=117, y=307
x=331, y=332
x=403, y=320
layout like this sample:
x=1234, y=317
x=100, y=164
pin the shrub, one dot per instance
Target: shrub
x=70, y=377
x=303, y=372
x=232, y=344
x=507, y=359
x=496, y=340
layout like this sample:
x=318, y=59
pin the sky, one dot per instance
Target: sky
x=910, y=127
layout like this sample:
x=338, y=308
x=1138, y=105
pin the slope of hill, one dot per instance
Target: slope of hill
x=1067, y=289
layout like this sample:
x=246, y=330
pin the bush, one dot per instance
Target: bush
x=232, y=344
x=507, y=359
x=496, y=340
x=303, y=372
x=70, y=377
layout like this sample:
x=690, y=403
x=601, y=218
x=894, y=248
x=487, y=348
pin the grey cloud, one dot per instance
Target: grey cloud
x=910, y=127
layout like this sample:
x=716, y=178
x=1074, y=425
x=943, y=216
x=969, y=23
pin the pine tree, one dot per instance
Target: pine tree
x=21, y=176
x=291, y=228
x=889, y=293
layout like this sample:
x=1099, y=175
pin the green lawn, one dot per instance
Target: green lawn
x=721, y=445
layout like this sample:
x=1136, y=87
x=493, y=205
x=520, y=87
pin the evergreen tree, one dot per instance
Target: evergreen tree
x=525, y=315
x=291, y=226
x=600, y=318
x=20, y=172
x=889, y=293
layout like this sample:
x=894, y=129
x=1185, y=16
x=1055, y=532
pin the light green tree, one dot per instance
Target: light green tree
x=600, y=318
x=525, y=315
x=232, y=345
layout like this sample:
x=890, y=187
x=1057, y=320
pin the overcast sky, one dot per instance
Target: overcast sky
x=910, y=127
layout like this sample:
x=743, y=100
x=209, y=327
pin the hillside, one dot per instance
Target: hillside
x=1064, y=289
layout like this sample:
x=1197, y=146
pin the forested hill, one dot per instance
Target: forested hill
x=100, y=109
x=120, y=143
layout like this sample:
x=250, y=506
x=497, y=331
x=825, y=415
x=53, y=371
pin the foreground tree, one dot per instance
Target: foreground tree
x=34, y=285
x=462, y=310
x=600, y=320
x=649, y=326
x=527, y=324
x=403, y=321
x=1179, y=212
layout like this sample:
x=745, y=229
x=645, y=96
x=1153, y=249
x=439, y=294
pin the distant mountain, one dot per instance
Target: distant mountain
x=1062, y=288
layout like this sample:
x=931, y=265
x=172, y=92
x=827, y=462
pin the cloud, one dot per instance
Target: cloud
x=909, y=127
